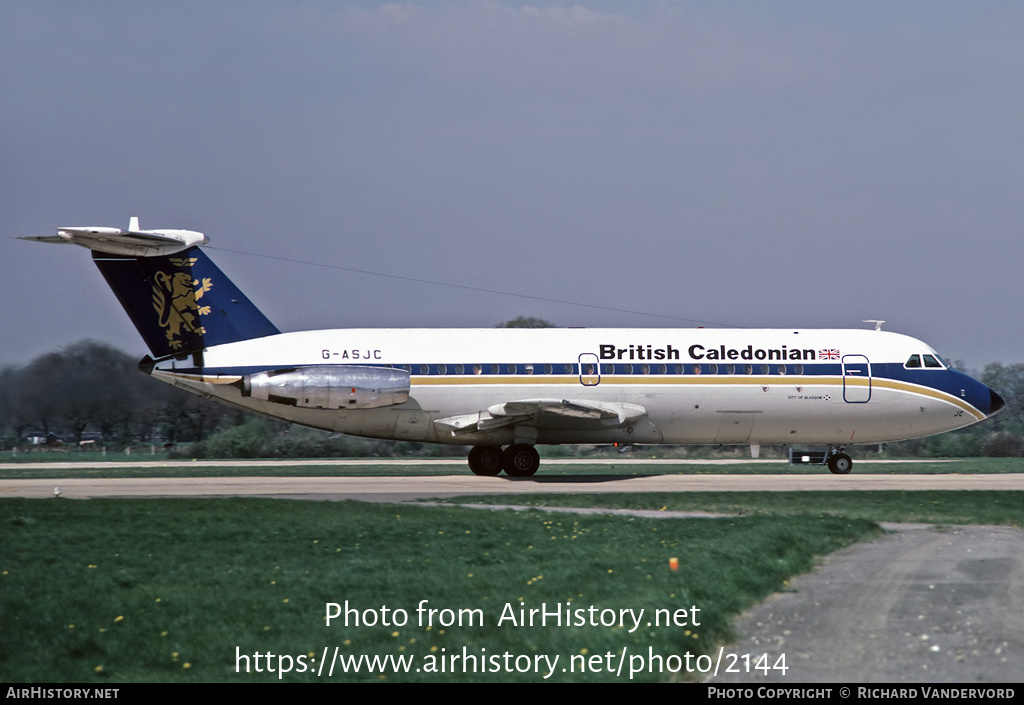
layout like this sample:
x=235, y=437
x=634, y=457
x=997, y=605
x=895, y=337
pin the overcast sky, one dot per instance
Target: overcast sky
x=756, y=164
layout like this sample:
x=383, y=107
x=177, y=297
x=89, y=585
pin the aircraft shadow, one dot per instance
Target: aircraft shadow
x=574, y=479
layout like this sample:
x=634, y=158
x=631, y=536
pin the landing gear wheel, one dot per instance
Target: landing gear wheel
x=520, y=460
x=840, y=464
x=485, y=460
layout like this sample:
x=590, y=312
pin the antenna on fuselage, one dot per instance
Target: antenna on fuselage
x=878, y=324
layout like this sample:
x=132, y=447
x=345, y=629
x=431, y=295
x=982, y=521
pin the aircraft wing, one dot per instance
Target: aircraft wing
x=545, y=413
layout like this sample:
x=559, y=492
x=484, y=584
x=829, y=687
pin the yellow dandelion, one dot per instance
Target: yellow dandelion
x=394, y=633
x=98, y=669
x=186, y=665
x=119, y=618
x=163, y=633
x=285, y=600
x=584, y=650
x=433, y=648
x=348, y=642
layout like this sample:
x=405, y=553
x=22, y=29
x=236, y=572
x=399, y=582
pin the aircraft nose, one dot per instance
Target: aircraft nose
x=995, y=403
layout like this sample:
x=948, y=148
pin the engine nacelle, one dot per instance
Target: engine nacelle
x=330, y=387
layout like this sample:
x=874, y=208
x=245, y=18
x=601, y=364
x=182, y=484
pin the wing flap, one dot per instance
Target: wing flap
x=544, y=414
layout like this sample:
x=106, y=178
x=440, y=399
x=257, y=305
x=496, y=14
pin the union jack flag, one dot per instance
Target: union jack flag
x=828, y=354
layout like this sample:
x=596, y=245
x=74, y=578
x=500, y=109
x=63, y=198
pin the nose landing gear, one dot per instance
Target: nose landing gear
x=839, y=463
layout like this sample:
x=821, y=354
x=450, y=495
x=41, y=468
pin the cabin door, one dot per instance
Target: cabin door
x=590, y=370
x=856, y=379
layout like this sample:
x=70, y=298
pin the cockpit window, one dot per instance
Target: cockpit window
x=930, y=361
x=913, y=362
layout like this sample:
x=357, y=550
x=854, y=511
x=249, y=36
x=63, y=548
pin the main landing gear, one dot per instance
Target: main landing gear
x=519, y=460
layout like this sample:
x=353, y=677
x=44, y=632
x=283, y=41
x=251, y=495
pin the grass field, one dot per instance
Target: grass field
x=929, y=506
x=166, y=590
x=177, y=589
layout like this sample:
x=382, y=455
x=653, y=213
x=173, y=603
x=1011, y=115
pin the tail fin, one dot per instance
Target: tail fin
x=181, y=303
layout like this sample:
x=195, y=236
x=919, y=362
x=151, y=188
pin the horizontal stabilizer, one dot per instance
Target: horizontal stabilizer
x=132, y=242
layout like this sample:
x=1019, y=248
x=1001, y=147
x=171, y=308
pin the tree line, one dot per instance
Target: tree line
x=91, y=391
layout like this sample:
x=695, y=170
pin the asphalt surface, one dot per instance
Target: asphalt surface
x=392, y=489
x=923, y=604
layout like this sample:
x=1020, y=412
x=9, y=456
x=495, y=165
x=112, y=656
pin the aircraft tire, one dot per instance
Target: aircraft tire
x=520, y=460
x=486, y=460
x=840, y=464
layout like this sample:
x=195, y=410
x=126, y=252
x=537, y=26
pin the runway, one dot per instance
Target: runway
x=401, y=488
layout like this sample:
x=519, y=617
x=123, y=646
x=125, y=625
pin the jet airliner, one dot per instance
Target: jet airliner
x=504, y=391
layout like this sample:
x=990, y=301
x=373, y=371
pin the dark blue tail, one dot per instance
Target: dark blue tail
x=182, y=303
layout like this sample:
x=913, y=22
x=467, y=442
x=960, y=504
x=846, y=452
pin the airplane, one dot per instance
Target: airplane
x=504, y=391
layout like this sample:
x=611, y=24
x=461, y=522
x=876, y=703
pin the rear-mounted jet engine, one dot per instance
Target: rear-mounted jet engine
x=330, y=387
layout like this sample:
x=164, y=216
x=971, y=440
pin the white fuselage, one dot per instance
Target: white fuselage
x=694, y=386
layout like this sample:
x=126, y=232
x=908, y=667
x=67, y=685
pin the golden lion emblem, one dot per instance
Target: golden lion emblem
x=176, y=302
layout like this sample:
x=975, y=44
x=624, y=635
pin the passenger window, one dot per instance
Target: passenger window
x=713, y=369
x=749, y=369
x=798, y=369
x=679, y=369
x=528, y=369
x=782, y=369
x=477, y=369
x=568, y=369
x=730, y=369
x=645, y=369
x=930, y=361
x=765, y=369
x=511, y=369
x=495, y=369
x=662, y=369
x=913, y=362
x=629, y=369
x=442, y=369
x=459, y=369
x=424, y=369
x=696, y=369
x=608, y=369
